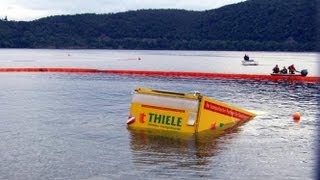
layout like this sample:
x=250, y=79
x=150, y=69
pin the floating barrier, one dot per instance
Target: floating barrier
x=183, y=112
x=171, y=74
x=217, y=75
x=41, y=69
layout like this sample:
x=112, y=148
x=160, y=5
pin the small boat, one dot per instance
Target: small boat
x=303, y=72
x=250, y=62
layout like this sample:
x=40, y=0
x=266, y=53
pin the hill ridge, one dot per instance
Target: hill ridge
x=258, y=25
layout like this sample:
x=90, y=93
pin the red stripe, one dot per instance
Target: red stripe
x=224, y=110
x=52, y=69
x=163, y=108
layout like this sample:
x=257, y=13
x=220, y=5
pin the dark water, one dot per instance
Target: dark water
x=72, y=126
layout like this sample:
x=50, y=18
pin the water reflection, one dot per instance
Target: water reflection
x=153, y=149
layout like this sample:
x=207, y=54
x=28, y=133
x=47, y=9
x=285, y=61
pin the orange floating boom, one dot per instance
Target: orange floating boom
x=216, y=75
x=41, y=69
x=311, y=79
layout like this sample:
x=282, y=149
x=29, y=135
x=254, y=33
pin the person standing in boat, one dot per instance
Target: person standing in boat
x=276, y=69
x=246, y=57
x=292, y=69
x=284, y=70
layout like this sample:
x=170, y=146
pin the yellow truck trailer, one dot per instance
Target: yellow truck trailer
x=183, y=112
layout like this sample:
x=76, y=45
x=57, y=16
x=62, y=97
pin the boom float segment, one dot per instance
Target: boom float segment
x=217, y=75
x=45, y=69
x=169, y=74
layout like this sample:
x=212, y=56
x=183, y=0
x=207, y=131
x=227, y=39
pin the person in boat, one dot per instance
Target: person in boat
x=292, y=69
x=276, y=69
x=284, y=70
x=246, y=57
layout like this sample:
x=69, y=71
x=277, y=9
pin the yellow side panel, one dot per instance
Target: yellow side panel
x=219, y=116
x=161, y=118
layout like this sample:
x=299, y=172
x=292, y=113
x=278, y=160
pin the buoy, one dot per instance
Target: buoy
x=131, y=120
x=296, y=116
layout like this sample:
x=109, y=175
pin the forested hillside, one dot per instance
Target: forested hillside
x=270, y=25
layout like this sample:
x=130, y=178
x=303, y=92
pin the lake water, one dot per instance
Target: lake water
x=73, y=126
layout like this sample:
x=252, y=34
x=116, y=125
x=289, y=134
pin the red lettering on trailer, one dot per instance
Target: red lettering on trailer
x=224, y=110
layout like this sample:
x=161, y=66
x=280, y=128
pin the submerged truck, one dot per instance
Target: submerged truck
x=183, y=112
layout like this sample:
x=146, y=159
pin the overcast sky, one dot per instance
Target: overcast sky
x=26, y=10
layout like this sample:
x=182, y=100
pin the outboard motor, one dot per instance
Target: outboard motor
x=304, y=72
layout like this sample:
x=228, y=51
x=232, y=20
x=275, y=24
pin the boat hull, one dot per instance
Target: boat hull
x=250, y=63
x=286, y=75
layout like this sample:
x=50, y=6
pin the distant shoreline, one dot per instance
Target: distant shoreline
x=256, y=25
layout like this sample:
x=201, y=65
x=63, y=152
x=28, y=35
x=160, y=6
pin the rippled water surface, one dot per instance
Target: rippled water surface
x=72, y=126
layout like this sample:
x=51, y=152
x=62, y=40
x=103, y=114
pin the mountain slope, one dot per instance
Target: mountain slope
x=250, y=25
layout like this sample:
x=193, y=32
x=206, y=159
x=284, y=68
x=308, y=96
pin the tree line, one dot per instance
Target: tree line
x=257, y=25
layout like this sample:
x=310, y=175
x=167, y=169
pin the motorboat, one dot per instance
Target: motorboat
x=303, y=72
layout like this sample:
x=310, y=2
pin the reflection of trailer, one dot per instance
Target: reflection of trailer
x=179, y=112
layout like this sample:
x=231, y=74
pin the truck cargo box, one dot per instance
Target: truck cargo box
x=183, y=112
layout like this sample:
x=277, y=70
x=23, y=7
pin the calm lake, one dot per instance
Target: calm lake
x=73, y=126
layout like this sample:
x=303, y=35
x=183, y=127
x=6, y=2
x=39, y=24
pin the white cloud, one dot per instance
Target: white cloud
x=16, y=12
x=34, y=9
